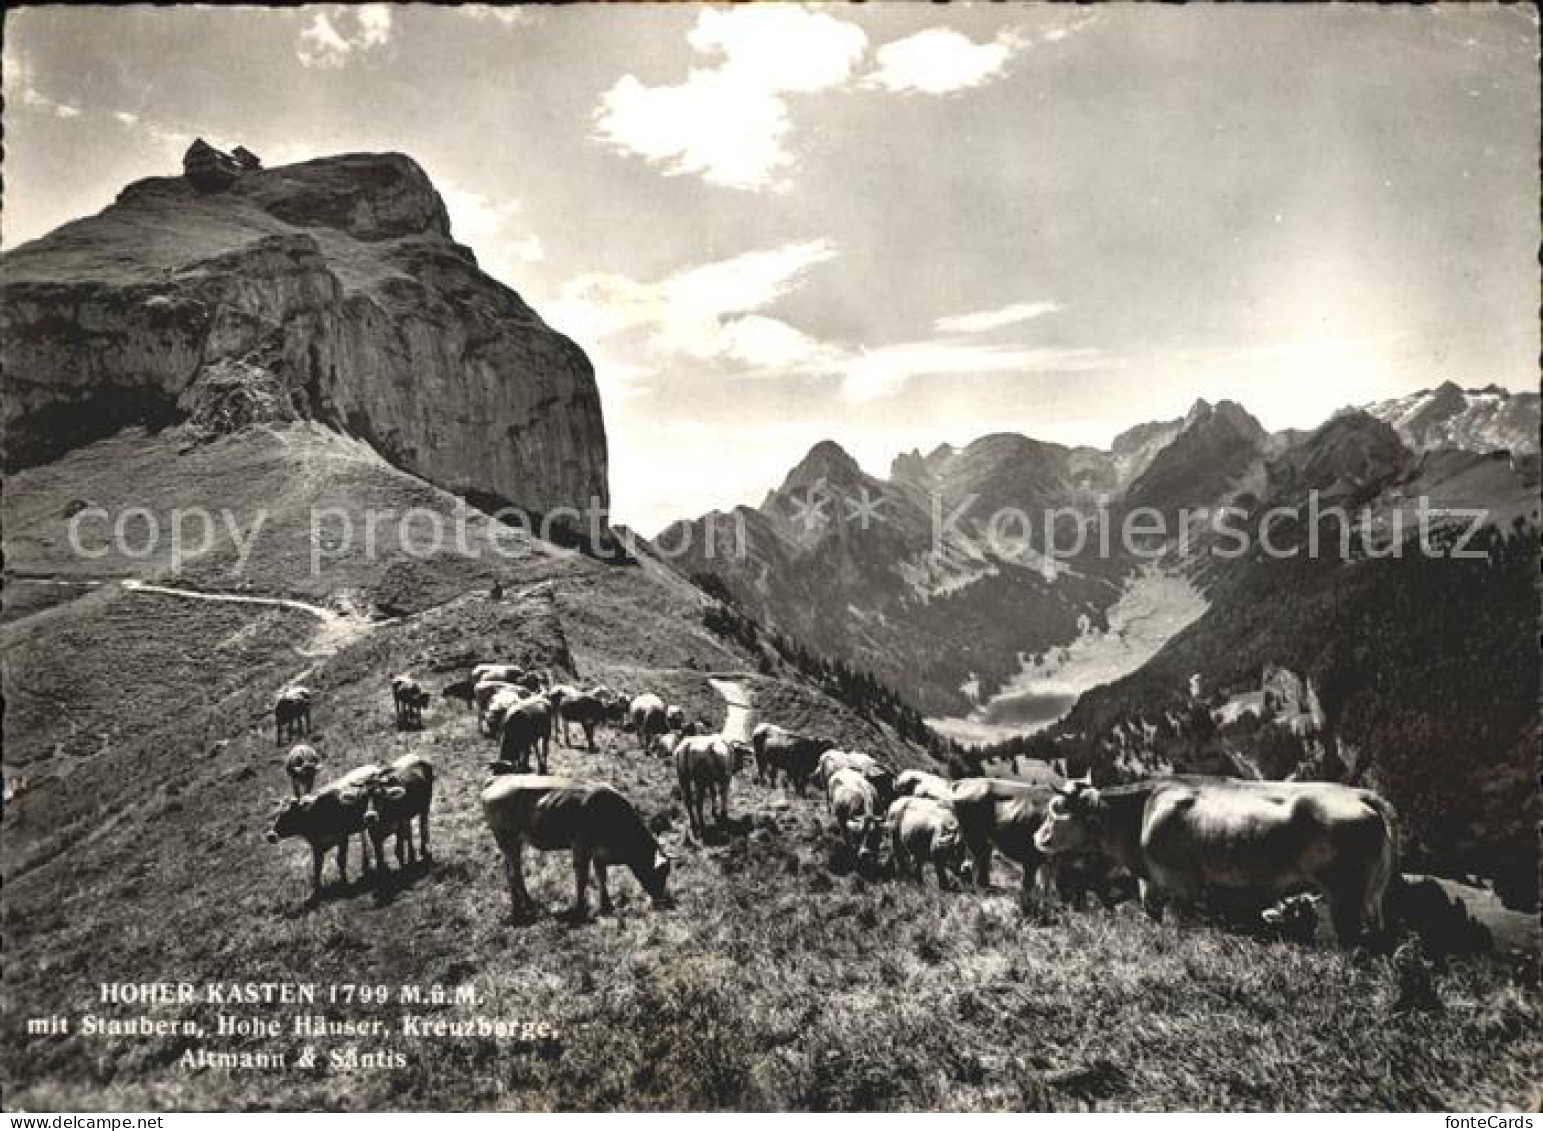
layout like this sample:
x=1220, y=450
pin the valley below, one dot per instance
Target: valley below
x=1153, y=608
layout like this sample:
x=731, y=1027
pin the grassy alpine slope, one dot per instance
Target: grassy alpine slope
x=139, y=744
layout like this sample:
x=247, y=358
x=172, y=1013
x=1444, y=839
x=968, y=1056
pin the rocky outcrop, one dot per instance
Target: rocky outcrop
x=333, y=284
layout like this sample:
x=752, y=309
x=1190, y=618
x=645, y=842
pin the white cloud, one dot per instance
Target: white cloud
x=336, y=33
x=983, y=320
x=716, y=312
x=770, y=343
x=19, y=85
x=476, y=219
x=123, y=117
x=707, y=312
x=729, y=123
x=883, y=372
x=940, y=60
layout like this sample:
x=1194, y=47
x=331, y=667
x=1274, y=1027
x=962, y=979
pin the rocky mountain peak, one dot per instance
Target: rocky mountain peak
x=827, y=461
x=331, y=284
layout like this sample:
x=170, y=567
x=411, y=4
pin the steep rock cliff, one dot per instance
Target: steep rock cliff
x=336, y=283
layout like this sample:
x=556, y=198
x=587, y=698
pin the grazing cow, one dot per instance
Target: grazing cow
x=921, y=830
x=794, y=755
x=463, y=690
x=504, y=697
x=583, y=708
x=327, y=819
x=919, y=783
x=854, y=803
x=526, y=729
x=665, y=744
x=300, y=766
x=704, y=767
x=532, y=682
x=560, y=691
x=497, y=673
x=646, y=716
x=402, y=791
x=1003, y=815
x=882, y=777
x=1184, y=836
x=675, y=717
x=598, y=824
x=291, y=714
x=409, y=699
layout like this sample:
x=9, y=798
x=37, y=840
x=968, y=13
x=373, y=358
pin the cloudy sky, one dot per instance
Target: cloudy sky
x=893, y=225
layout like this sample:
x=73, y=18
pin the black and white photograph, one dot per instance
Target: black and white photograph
x=771, y=557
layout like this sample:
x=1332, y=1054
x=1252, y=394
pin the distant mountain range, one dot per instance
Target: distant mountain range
x=908, y=577
x=1475, y=420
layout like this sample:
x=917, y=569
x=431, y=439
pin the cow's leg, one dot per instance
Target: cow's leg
x=343, y=860
x=603, y=886
x=514, y=872
x=1345, y=904
x=423, y=832
x=1152, y=901
x=723, y=803
x=581, y=863
x=980, y=867
x=317, y=856
x=589, y=736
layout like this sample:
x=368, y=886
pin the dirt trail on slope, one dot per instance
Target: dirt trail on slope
x=336, y=631
x=741, y=717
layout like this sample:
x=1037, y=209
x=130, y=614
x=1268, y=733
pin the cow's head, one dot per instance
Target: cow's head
x=289, y=817
x=461, y=689
x=375, y=796
x=740, y=756
x=656, y=877
x=1073, y=821
x=866, y=833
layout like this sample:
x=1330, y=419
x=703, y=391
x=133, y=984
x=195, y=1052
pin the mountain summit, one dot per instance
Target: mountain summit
x=328, y=290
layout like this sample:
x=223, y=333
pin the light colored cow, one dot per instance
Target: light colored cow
x=1183, y=836
x=704, y=766
x=921, y=831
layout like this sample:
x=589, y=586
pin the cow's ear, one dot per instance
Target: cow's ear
x=350, y=796
x=394, y=793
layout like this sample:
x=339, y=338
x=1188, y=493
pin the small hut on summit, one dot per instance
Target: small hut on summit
x=212, y=170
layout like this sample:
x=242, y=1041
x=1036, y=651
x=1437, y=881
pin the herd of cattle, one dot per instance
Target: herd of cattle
x=1277, y=847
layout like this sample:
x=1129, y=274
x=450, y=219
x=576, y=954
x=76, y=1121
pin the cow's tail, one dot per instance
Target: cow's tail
x=1384, y=870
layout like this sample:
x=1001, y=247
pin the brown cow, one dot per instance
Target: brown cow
x=291, y=714
x=526, y=729
x=995, y=813
x=400, y=792
x=598, y=824
x=327, y=819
